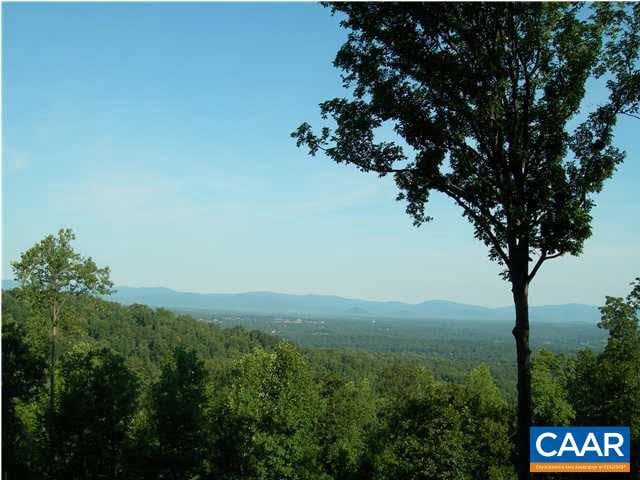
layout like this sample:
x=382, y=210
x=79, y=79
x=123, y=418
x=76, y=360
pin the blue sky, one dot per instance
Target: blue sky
x=160, y=134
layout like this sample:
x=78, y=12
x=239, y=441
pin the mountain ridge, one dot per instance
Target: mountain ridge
x=267, y=302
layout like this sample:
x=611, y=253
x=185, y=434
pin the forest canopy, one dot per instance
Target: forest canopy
x=147, y=393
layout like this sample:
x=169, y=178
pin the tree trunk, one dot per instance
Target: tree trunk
x=521, y=335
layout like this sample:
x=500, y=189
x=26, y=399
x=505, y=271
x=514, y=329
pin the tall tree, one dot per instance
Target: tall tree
x=422, y=436
x=96, y=405
x=348, y=415
x=487, y=426
x=482, y=96
x=52, y=271
x=551, y=375
x=22, y=374
x=268, y=421
x=179, y=400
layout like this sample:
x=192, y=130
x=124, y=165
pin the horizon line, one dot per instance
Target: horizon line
x=246, y=292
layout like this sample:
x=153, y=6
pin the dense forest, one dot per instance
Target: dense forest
x=450, y=347
x=144, y=393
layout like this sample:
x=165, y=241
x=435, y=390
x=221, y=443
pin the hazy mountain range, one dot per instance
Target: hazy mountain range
x=280, y=303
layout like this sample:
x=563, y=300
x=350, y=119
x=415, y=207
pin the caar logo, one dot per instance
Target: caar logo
x=579, y=449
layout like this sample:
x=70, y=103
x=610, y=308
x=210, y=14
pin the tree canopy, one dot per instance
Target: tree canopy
x=483, y=97
x=52, y=267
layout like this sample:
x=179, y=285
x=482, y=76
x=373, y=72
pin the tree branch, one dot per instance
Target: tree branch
x=637, y=117
x=371, y=168
x=543, y=258
x=481, y=223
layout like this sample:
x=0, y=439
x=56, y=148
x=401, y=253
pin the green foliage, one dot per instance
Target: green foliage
x=586, y=399
x=430, y=429
x=475, y=101
x=422, y=437
x=551, y=377
x=614, y=378
x=18, y=308
x=50, y=274
x=52, y=268
x=95, y=406
x=402, y=380
x=142, y=335
x=487, y=429
x=606, y=387
x=178, y=405
x=481, y=96
x=22, y=377
x=272, y=409
x=22, y=370
x=148, y=394
x=344, y=427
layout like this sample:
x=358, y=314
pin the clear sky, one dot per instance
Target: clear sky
x=160, y=134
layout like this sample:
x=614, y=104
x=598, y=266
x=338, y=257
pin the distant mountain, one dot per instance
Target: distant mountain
x=270, y=302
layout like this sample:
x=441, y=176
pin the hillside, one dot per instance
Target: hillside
x=143, y=335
